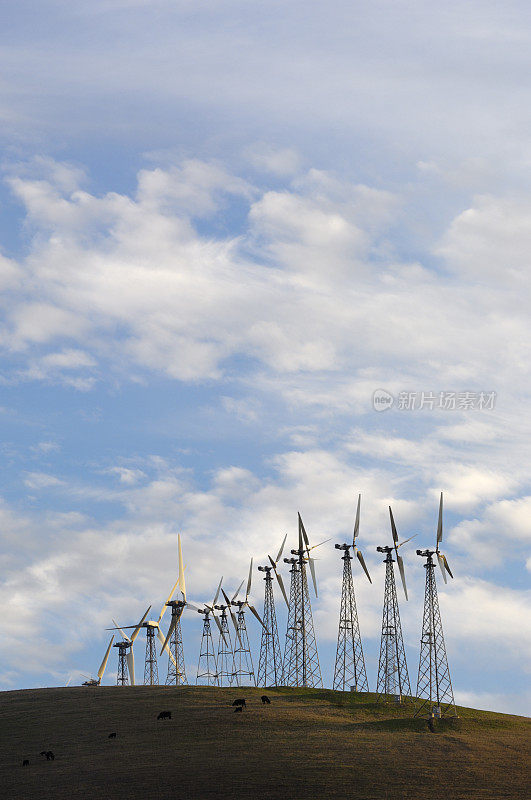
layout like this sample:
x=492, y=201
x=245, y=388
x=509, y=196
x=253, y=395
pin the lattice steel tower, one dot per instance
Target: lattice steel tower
x=176, y=666
x=207, y=672
x=270, y=660
x=123, y=658
x=349, y=672
x=225, y=658
x=151, y=670
x=301, y=659
x=434, y=685
x=393, y=678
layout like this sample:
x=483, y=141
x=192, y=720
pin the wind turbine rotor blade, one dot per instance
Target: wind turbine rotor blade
x=318, y=545
x=192, y=605
x=217, y=593
x=255, y=612
x=312, y=570
x=281, y=549
x=105, y=659
x=226, y=598
x=439, y=522
x=393, y=527
x=131, y=665
x=235, y=623
x=126, y=637
x=137, y=629
x=362, y=562
x=182, y=583
x=282, y=589
x=302, y=530
x=168, y=637
x=406, y=541
x=218, y=623
x=441, y=564
x=357, y=522
x=249, y=579
x=447, y=567
x=165, y=606
x=161, y=639
x=237, y=592
x=402, y=573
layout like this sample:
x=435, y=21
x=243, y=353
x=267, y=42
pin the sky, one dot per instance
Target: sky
x=227, y=230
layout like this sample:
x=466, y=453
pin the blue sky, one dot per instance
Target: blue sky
x=223, y=226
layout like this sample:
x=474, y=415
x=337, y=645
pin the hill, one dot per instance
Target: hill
x=307, y=744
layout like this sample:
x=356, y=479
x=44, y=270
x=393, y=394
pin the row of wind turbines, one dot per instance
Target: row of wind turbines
x=230, y=663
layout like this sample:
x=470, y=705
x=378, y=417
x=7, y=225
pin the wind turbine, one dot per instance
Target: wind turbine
x=301, y=660
x=225, y=659
x=434, y=685
x=101, y=671
x=151, y=673
x=126, y=659
x=393, y=677
x=243, y=662
x=270, y=671
x=207, y=665
x=350, y=669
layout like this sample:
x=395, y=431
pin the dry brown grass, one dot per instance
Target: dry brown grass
x=306, y=744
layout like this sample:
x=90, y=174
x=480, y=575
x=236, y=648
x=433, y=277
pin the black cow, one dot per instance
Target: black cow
x=25, y=763
x=48, y=753
x=265, y=700
x=164, y=715
x=239, y=702
x=238, y=708
x=111, y=736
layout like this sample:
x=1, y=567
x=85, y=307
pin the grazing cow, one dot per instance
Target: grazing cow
x=25, y=763
x=164, y=715
x=265, y=700
x=238, y=708
x=42, y=753
x=239, y=702
x=50, y=756
x=111, y=736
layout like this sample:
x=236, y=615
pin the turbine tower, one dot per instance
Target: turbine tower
x=207, y=671
x=243, y=661
x=225, y=658
x=301, y=659
x=434, y=685
x=270, y=672
x=126, y=663
x=101, y=671
x=349, y=672
x=393, y=677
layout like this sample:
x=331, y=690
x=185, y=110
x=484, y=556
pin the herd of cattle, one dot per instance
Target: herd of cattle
x=239, y=703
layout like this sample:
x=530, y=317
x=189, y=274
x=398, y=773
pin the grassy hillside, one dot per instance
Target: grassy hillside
x=306, y=744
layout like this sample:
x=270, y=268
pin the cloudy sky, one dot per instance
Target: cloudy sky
x=223, y=226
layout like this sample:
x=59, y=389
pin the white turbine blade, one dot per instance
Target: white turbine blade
x=362, y=562
x=126, y=637
x=165, y=606
x=281, y=548
x=105, y=659
x=68, y=681
x=357, y=523
x=218, y=623
x=226, y=598
x=137, y=629
x=393, y=527
x=446, y=566
x=161, y=639
x=282, y=589
x=235, y=623
x=255, y=612
x=318, y=545
x=236, y=593
x=312, y=570
x=441, y=564
x=131, y=665
x=168, y=637
x=439, y=522
x=302, y=531
x=249, y=579
x=406, y=540
x=402, y=573
x=192, y=605
x=217, y=592
x=182, y=583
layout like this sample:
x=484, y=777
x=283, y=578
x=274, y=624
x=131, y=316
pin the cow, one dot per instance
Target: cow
x=265, y=700
x=48, y=753
x=238, y=708
x=239, y=702
x=111, y=736
x=164, y=715
x=25, y=763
